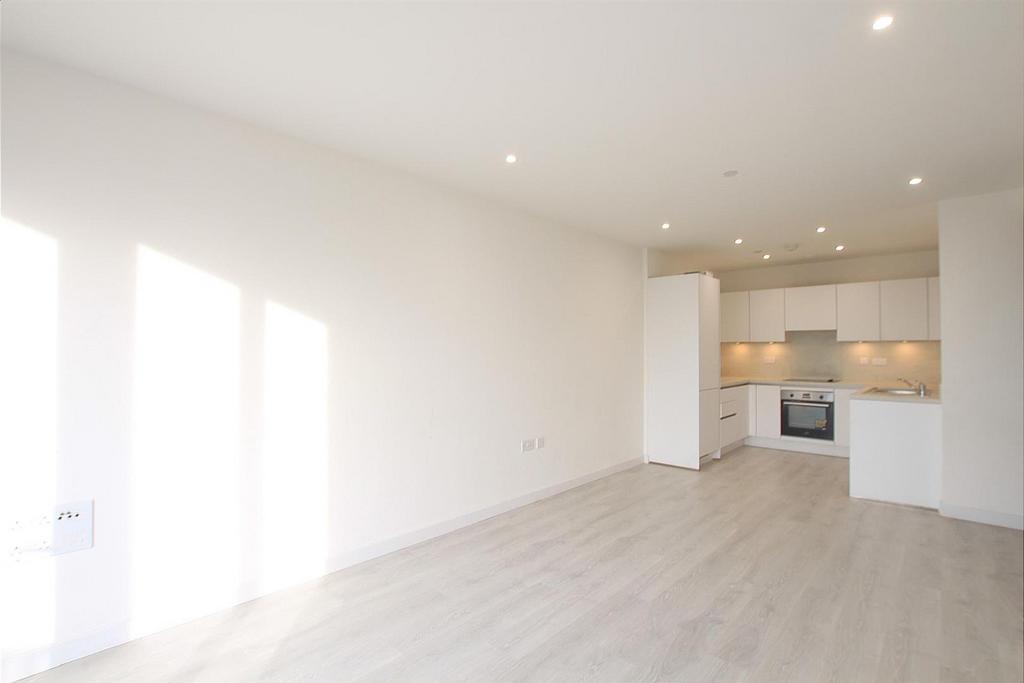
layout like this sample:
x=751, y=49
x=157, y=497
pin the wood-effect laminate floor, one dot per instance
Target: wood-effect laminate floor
x=758, y=568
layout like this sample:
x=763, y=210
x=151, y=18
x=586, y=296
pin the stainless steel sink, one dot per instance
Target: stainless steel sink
x=895, y=392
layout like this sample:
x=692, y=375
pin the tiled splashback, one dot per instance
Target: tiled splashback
x=818, y=354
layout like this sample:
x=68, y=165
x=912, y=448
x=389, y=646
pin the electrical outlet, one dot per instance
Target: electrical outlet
x=528, y=445
x=66, y=528
x=879, y=361
x=540, y=442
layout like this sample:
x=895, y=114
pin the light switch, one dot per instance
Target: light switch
x=864, y=360
x=879, y=361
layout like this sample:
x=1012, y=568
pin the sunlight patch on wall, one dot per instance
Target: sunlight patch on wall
x=28, y=428
x=184, y=469
x=294, y=465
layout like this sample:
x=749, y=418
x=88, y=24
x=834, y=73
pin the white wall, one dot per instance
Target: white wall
x=209, y=275
x=981, y=246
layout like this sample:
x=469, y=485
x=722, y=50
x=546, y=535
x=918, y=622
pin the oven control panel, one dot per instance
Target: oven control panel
x=808, y=395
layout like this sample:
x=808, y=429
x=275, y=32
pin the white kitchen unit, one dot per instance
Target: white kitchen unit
x=904, y=309
x=769, y=412
x=765, y=417
x=751, y=410
x=857, y=312
x=682, y=369
x=708, y=312
x=934, y=316
x=710, y=423
x=811, y=308
x=896, y=450
x=733, y=425
x=841, y=410
x=767, y=315
x=735, y=323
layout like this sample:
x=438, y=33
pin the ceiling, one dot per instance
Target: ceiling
x=623, y=116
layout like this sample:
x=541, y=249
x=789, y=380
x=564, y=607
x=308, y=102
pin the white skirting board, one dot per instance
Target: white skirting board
x=16, y=665
x=798, y=445
x=968, y=514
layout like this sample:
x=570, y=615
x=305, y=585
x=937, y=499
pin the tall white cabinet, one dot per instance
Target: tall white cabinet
x=682, y=369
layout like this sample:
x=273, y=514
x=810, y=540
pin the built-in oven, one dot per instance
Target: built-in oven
x=808, y=413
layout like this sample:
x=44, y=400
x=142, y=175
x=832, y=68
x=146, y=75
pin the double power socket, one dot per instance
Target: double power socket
x=64, y=528
x=534, y=444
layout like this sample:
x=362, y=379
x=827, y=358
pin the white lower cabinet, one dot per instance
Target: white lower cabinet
x=769, y=412
x=841, y=416
x=762, y=421
x=710, y=407
x=896, y=452
x=734, y=420
x=751, y=409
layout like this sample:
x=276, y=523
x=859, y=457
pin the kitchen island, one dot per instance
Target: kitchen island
x=896, y=447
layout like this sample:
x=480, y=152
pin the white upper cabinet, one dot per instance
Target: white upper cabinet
x=767, y=315
x=735, y=316
x=811, y=308
x=857, y=314
x=904, y=309
x=934, y=329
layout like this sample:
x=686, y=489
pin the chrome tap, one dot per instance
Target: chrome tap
x=919, y=387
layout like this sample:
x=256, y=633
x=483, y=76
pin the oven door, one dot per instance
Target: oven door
x=808, y=419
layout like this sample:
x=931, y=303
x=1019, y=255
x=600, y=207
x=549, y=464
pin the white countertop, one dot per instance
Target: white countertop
x=868, y=395
x=727, y=382
x=863, y=388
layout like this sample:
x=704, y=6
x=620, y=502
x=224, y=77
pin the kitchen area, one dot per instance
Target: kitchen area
x=850, y=370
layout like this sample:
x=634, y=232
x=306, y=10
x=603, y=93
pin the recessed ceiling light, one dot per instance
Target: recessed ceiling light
x=665, y=226
x=821, y=228
x=766, y=257
x=883, y=22
x=731, y=173
x=840, y=247
x=510, y=159
x=738, y=240
x=916, y=181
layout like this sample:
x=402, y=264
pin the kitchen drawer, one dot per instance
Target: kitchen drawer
x=733, y=412
x=731, y=429
x=734, y=394
x=728, y=408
